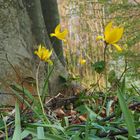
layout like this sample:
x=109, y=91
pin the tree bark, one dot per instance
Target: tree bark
x=22, y=28
x=41, y=35
x=51, y=18
x=16, y=41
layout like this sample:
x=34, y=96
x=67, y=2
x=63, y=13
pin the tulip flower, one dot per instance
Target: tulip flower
x=44, y=54
x=58, y=34
x=82, y=61
x=112, y=35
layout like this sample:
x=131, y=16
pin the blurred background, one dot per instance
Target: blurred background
x=85, y=20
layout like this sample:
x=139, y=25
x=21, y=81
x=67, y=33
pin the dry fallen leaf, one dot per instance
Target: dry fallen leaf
x=59, y=113
x=83, y=117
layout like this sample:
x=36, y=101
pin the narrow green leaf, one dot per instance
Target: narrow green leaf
x=40, y=133
x=26, y=103
x=127, y=115
x=47, y=136
x=65, y=122
x=45, y=86
x=6, y=130
x=108, y=107
x=17, y=132
x=23, y=90
x=47, y=126
x=92, y=115
x=121, y=137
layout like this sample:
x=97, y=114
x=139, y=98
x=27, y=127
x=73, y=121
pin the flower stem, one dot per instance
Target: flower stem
x=105, y=70
x=37, y=88
x=105, y=52
x=105, y=73
x=46, y=120
x=45, y=87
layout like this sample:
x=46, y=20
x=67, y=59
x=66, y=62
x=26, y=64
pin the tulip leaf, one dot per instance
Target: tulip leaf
x=17, y=131
x=99, y=66
x=112, y=76
x=126, y=112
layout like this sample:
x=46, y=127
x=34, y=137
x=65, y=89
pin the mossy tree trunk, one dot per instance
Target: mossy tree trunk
x=22, y=28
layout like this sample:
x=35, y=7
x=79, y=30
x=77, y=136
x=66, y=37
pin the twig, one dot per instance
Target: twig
x=108, y=117
x=55, y=103
x=136, y=89
x=53, y=98
x=116, y=83
x=132, y=107
x=122, y=132
x=136, y=2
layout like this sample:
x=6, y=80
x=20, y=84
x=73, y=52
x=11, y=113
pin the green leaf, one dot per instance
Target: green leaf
x=26, y=103
x=99, y=66
x=17, y=132
x=92, y=115
x=63, y=78
x=45, y=86
x=112, y=76
x=40, y=133
x=26, y=132
x=121, y=137
x=65, y=122
x=95, y=125
x=76, y=136
x=46, y=126
x=127, y=115
x=108, y=107
x=23, y=90
x=32, y=131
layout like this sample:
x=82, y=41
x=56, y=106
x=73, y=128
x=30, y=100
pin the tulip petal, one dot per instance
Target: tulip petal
x=49, y=62
x=35, y=52
x=115, y=35
x=52, y=34
x=58, y=34
x=111, y=37
x=62, y=36
x=39, y=48
x=43, y=53
x=108, y=29
x=119, y=34
x=49, y=53
x=118, y=48
x=100, y=38
x=57, y=29
x=82, y=61
x=65, y=33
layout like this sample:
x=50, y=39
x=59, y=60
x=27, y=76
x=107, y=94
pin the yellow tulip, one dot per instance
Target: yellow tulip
x=82, y=61
x=112, y=35
x=58, y=34
x=44, y=54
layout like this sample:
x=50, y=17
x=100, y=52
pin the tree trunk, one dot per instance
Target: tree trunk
x=41, y=35
x=20, y=32
x=51, y=18
x=16, y=41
